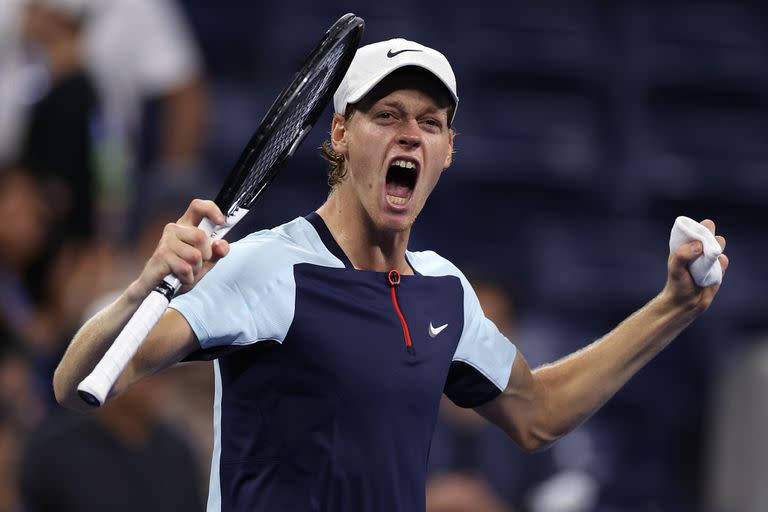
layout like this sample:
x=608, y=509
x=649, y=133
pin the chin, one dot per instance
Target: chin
x=395, y=223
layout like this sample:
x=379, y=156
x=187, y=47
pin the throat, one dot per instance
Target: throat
x=365, y=244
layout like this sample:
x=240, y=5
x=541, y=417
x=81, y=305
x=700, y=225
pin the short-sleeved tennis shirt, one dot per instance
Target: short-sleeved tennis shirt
x=328, y=379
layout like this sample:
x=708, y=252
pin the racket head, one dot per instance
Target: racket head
x=292, y=115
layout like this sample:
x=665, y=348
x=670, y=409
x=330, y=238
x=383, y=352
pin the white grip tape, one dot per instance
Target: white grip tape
x=217, y=231
x=104, y=375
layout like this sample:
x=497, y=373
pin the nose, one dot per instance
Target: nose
x=409, y=136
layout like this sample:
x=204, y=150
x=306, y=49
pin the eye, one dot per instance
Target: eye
x=432, y=123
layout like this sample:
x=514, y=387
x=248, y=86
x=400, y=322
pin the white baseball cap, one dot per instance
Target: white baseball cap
x=374, y=62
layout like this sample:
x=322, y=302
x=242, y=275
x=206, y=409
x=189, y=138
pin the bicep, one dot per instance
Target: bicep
x=170, y=341
x=515, y=409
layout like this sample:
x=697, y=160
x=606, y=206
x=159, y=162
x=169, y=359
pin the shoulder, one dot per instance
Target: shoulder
x=276, y=251
x=430, y=263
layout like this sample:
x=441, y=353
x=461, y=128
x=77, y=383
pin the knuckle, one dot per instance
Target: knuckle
x=196, y=258
x=162, y=252
x=169, y=228
x=185, y=273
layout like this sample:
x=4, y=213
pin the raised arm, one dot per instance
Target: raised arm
x=183, y=250
x=539, y=407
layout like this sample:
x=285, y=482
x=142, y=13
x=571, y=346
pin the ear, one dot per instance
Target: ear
x=449, y=156
x=339, y=134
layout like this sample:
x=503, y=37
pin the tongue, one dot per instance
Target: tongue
x=398, y=190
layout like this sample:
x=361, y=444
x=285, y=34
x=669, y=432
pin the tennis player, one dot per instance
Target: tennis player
x=333, y=342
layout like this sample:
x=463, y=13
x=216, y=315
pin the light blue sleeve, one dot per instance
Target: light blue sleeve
x=482, y=345
x=247, y=297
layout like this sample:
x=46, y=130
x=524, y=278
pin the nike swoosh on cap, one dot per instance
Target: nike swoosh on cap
x=391, y=54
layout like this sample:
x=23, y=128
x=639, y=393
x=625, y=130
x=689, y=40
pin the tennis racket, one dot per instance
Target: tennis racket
x=281, y=131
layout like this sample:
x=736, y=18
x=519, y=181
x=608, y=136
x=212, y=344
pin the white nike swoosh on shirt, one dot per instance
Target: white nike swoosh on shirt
x=435, y=331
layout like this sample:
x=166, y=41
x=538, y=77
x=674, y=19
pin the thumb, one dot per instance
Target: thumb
x=681, y=258
x=688, y=252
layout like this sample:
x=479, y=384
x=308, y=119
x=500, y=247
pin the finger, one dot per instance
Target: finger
x=192, y=236
x=188, y=253
x=219, y=249
x=200, y=208
x=709, y=224
x=688, y=252
x=174, y=264
x=724, y=262
x=721, y=241
x=681, y=258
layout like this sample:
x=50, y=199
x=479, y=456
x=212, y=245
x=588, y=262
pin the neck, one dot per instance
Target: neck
x=367, y=246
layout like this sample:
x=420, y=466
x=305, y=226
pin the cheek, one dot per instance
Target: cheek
x=366, y=152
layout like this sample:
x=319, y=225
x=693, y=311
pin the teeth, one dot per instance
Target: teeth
x=397, y=200
x=405, y=164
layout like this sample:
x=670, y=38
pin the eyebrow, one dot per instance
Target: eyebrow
x=399, y=105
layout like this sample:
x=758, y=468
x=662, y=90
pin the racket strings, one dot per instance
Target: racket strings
x=301, y=110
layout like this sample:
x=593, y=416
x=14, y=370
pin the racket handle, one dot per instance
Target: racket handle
x=96, y=386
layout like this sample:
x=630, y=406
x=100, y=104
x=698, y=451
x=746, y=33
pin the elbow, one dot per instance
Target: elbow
x=66, y=395
x=535, y=440
x=530, y=438
x=61, y=392
x=533, y=445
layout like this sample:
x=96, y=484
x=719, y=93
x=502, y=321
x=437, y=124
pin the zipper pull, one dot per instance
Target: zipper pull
x=393, y=278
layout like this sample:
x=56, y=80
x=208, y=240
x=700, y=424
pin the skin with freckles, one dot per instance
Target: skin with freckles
x=404, y=125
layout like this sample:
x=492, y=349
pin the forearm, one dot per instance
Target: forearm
x=89, y=345
x=573, y=388
x=184, y=251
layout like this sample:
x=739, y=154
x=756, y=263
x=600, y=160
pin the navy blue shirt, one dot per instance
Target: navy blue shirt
x=331, y=398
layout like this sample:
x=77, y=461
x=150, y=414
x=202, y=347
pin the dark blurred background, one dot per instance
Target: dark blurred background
x=584, y=129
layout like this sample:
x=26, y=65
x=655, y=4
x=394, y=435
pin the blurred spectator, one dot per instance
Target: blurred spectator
x=142, y=58
x=21, y=410
x=121, y=458
x=43, y=294
x=23, y=239
x=10, y=440
x=20, y=388
x=12, y=82
x=461, y=492
x=148, y=70
x=57, y=142
x=736, y=467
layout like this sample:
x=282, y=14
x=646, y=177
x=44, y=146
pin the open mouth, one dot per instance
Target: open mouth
x=401, y=180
